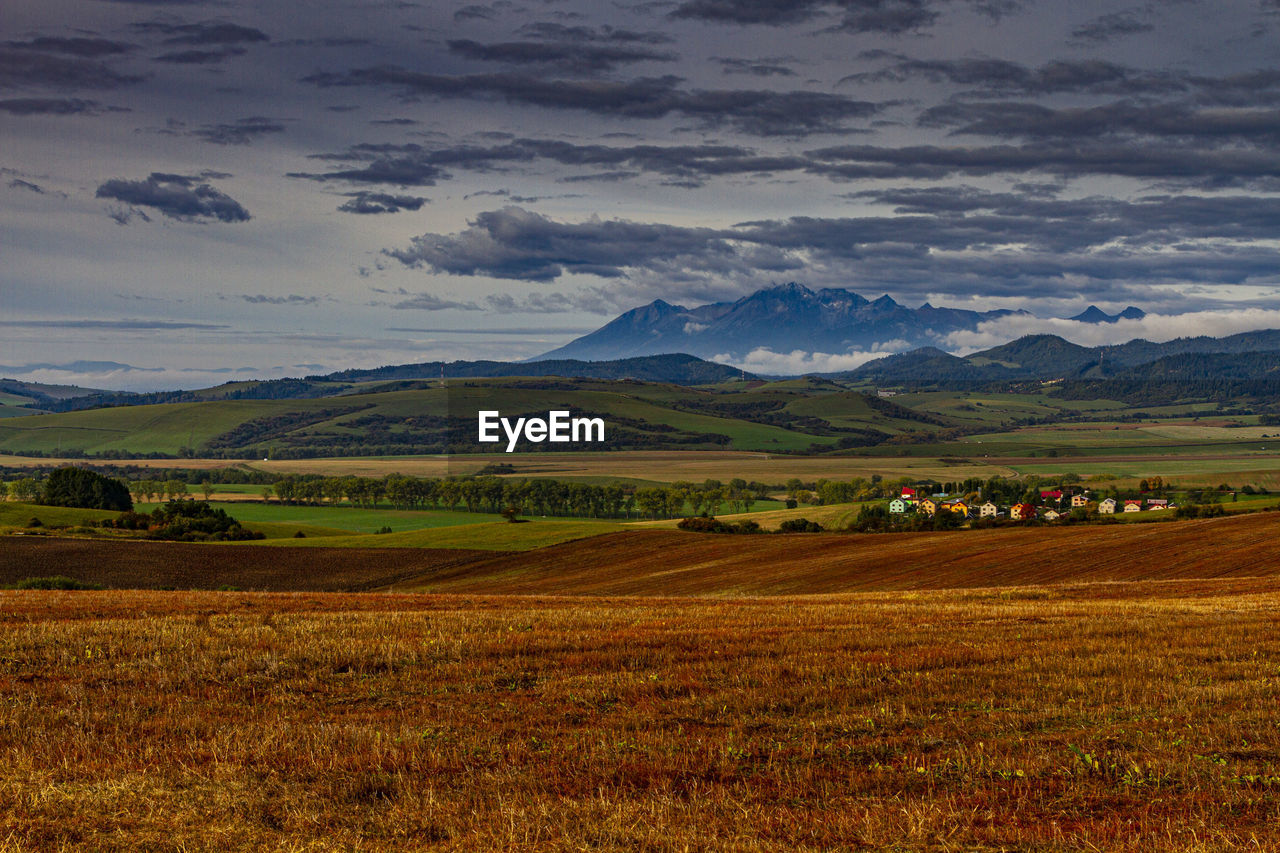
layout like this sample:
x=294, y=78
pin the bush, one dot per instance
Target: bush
x=800, y=525
x=55, y=582
x=703, y=524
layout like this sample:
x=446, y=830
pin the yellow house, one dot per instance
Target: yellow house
x=928, y=506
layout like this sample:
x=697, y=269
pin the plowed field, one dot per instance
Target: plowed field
x=662, y=562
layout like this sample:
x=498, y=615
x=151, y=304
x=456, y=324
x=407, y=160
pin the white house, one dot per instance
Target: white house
x=988, y=510
x=1107, y=507
x=1133, y=506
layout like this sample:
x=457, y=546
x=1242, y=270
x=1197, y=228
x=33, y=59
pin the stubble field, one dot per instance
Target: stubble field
x=1108, y=716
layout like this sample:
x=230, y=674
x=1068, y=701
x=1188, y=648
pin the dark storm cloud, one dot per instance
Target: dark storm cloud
x=87, y=48
x=188, y=198
x=1111, y=26
x=948, y=237
x=202, y=34
x=240, y=132
x=758, y=68
x=367, y=202
x=52, y=106
x=761, y=113
x=576, y=58
x=23, y=68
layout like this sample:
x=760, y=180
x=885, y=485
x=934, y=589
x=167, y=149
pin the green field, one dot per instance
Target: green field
x=498, y=535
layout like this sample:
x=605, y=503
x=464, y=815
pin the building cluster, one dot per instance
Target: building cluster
x=1053, y=505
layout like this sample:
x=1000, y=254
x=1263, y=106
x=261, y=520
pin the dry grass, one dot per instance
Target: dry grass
x=1117, y=718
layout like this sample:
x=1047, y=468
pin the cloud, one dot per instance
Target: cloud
x=416, y=165
x=426, y=302
x=21, y=68
x=203, y=33
x=88, y=48
x=798, y=362
x=1117, y=119
x=1002, y=76
x=200, y=57
x=606, y=34
x=946, y=240
x=291, y=299
x=240, y=132
x=572, y=57
x=885, y=17
x=367, y=202
x=756, y=67
x=548, y=303
x=19, y=184
x=756, y=112
x=53, y=106
x=126, y=325
x=1075, y=157
x=1111, y=26
x=187, y=198
x=1153, y=327
x=514, y=243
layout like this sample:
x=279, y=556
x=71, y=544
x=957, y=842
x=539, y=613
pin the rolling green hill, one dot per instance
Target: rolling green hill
x=782, y=417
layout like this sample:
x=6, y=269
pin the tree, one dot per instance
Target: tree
x=80, y=487
x=175, y=489
x=207, y=488
x=26, y=489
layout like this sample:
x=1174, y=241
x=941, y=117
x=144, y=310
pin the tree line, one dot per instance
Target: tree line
x=528, y=497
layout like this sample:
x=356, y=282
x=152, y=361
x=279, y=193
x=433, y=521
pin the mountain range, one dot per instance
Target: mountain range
x=1248, y=355
x=786, y=318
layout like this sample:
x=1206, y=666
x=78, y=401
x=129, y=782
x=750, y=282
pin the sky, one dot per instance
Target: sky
x=197, y=192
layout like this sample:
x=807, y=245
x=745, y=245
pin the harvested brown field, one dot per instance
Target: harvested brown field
x=182, y=565
x=1135, y=717
x=672, y=562
x=669, y=562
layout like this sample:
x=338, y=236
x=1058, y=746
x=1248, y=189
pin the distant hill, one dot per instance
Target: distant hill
x=676, y=368
x=783, y=318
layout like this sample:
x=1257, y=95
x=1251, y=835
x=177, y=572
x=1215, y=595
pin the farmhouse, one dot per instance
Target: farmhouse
x=1079, y=500
x=1054, y=495
x=928, y=506
x=988, y=510
x=1022, y=512
x=1107, y=507
x=959, y=507
x=1133, y=506
x=1051, y=515
x=898, y=506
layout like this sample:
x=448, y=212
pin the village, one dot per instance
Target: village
x=1054, y=504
